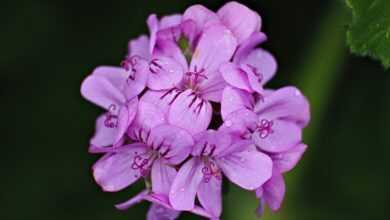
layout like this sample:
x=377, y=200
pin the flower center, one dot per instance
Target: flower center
x=143, y=162
x=194, y=77
x=256, y=72
x=210, y=170
x=265, y=128
x=111, y=120
x=129, y=64
x=155, y=67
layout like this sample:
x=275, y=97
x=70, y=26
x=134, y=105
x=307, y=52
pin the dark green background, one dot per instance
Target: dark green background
x=48, y=47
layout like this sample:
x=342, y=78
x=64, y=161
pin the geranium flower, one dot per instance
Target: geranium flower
x=273, y=191
x=216, y=154
x=109, y=88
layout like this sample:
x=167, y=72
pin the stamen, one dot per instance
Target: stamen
x=129, y=64
x=111, y=120
x=209, y=171
x=256, y=73
x=154, y=66
x=143, y=164
x=265, y=128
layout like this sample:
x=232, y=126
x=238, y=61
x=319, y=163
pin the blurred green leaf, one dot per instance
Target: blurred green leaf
x=369, y=32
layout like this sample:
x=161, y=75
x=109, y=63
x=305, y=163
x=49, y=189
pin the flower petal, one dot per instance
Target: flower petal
x=242, y=26
x=170, y=21
x=159, y=212
x=114, y=172
x=216, y=46
x=140, y=47
x=235, y=77
x=172, y=142
x=148, y=116
x=248, y=45
x=201, y=15
x=132, y=201
x=152, y=23
x=210, y=197
x=240, y=121
x=160, y=99
x=185, y=185
x=286, y=103
x=162, y=177
x=125, y=118
x=137, y=77
x=249, y=168
x=204, y=140
x=234, y=100
x=211, y=88
x=190, y=112
x=283, y=136
x=264, y=63
x=285, y=161
x=274, y=190
x=103, y=138
x=100, y=91
x=165, y=73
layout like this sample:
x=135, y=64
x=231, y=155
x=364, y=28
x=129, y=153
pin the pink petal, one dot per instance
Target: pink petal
x=284, y=135
x=210, y=196
x=132, y=201
x=249, y=168
x=286, y=103
x=175, y=143
x=125, y=118
x=170, y=21
x=159, y=212
x=190, y=112
x=160, y=99
x=286, y=161
x=235, y=77
x=104, y=136
x=115, y=75
x=137, y=77
x=216, y=46
x=274, y=190
x=240, y=121
x=243, y=25
x=152, y=23
x=149, y=115
x=263, y=62
x=204, y=140
x=114, y=172
x=234, y=100
x=140, y=47
x=248, y=45
x=102, y=92
x=162, y=177
x=201, y=15
x=165, y=73
x=185, y=185
x=211, y=88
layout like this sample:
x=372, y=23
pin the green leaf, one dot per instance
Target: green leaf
x=369, y=32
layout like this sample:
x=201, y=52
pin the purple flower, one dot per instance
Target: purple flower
x=109, y=88
x=273, y=191
x=274, y=123
x=159, y=106
x=186, y=92
x=214, y=154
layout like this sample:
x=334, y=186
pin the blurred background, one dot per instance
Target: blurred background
x=49, y=46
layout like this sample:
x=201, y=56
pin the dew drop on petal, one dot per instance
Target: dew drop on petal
x=228, y=123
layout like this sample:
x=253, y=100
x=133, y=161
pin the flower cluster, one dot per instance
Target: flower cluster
x=195, y=69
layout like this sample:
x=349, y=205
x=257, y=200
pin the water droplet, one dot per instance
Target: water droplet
x=182, y=190
x=228, y=123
